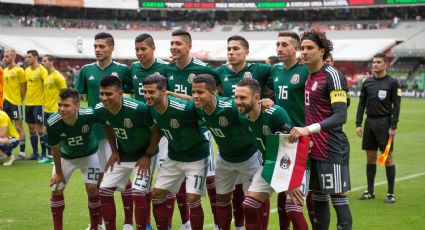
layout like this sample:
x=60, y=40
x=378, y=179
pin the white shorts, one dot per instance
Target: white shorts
x=228, y=174
x=104, y=153
x=172, y=173
x=259, y=184
x=163, y=151
x=89, y=167
x=144, y=184
x=211, y=156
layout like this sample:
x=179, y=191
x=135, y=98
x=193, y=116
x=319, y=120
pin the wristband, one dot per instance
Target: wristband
x=314, y=128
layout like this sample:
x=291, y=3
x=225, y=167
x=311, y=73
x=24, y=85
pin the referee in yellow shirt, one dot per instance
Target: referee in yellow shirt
x=35, y=74
x=53, y=84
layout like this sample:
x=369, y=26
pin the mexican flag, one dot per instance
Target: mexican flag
x=285, y=162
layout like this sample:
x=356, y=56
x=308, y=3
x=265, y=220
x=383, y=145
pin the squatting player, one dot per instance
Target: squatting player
x=325, y=103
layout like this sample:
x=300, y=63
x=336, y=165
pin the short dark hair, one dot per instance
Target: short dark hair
x=50, y=57
x=182, y=33
x=147, y=38
x=273, y=60
x=291, y=34
x=382, y=56
x=106, y=36
x=70, y=93
x=110, y=80
x=158, y=79
x=251, y=83
x=207, y=79
x=242, y=40
x=33, y=53
x=319, y=37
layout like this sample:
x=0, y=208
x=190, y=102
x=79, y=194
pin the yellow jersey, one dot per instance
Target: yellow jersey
x=54, y=83
x=12, y=80
x=6, y=122
x=1, y=88
x=35, y=78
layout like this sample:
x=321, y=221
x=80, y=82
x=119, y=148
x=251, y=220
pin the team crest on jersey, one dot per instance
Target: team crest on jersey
x=295, y=78
x=266, y=130
x=285, y=162
x=12, y=74
x=85, y=129
x=127, y=123
x=174, y=123
x=36, y=75
x=314, y=87
x=247, y=75
x=115, y=74
x=190, y=78
x=222, y=121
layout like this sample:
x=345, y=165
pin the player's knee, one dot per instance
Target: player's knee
x=57, y=192
x=371, y=157
x=159, y=193
x=224, y=197
x=91, y=189
x=192, y=198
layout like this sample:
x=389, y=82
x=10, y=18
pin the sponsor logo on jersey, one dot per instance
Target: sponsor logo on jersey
x=247, y=75
x=266, y=130
x=285, y=162
x=107, y=122
x=295, y=78
x=115, y=74
x=135, y=77
x=174, y=123
x=171, y=77
x=36, y=75
x=91, y=78
x=127, y=123
x=276, y=79
x=203, y=119
x=314, y=87
x=85, y=128
x=249, y=128
x=12, y=74
x=222, y=121
x=226, y=79
x=382, y=94
x=190, y=78
x=63, y=135
x=154, y=121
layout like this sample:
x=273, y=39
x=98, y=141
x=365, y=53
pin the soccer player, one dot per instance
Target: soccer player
x=261, y=123
x=88, y=83
x=15, y=88
x=287, y=80
x=380, y=96
x=188, y=151
x=8, y=138
x=127, y=125
x=53, y=84
x=239, y=156
x=35, y=75
x=325, y=103
x=179, y=80
x=74, y=146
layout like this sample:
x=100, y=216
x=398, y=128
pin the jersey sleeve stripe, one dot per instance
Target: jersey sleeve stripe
x=99, y=105
x=54, y=119
x=335, y=77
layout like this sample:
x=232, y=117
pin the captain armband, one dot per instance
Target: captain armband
x=338, y=96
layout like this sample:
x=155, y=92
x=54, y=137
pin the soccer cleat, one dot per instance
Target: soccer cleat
x=390, y=198
x=366, y=196
x=216, y=227
x=127, y=227
x=99, y=227
x=185, y=226
x=9, y=161
x=21, y=157
x=45, y=160
x=33, y=156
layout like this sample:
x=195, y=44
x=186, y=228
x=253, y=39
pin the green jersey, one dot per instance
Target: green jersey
x=138, y=74
x=229, y=79
x=89, y=79
x=235, y=142
x=131, y=126
x=179, y=80
x=272, y=120
x=288, y=85
x=179, y=124
x=76, y=140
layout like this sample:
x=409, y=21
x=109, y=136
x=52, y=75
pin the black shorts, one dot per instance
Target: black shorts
x=13, y=111
x=34, y=114
x=375, y=134
x=329, y=178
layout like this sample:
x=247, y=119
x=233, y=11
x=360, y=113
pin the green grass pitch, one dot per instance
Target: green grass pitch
x=24, y=187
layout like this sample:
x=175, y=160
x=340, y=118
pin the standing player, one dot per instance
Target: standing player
x=261, y=123
x=15, y=88
x=53, y=84
x=8, y=138
x=325, y=113
x=287, y=80
x=127, y=125
x=88, y=83
x=35, y=75
x=188, y=151
x=380, y=96
x=74, y=147
x=179, y=79
x=239, y=157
